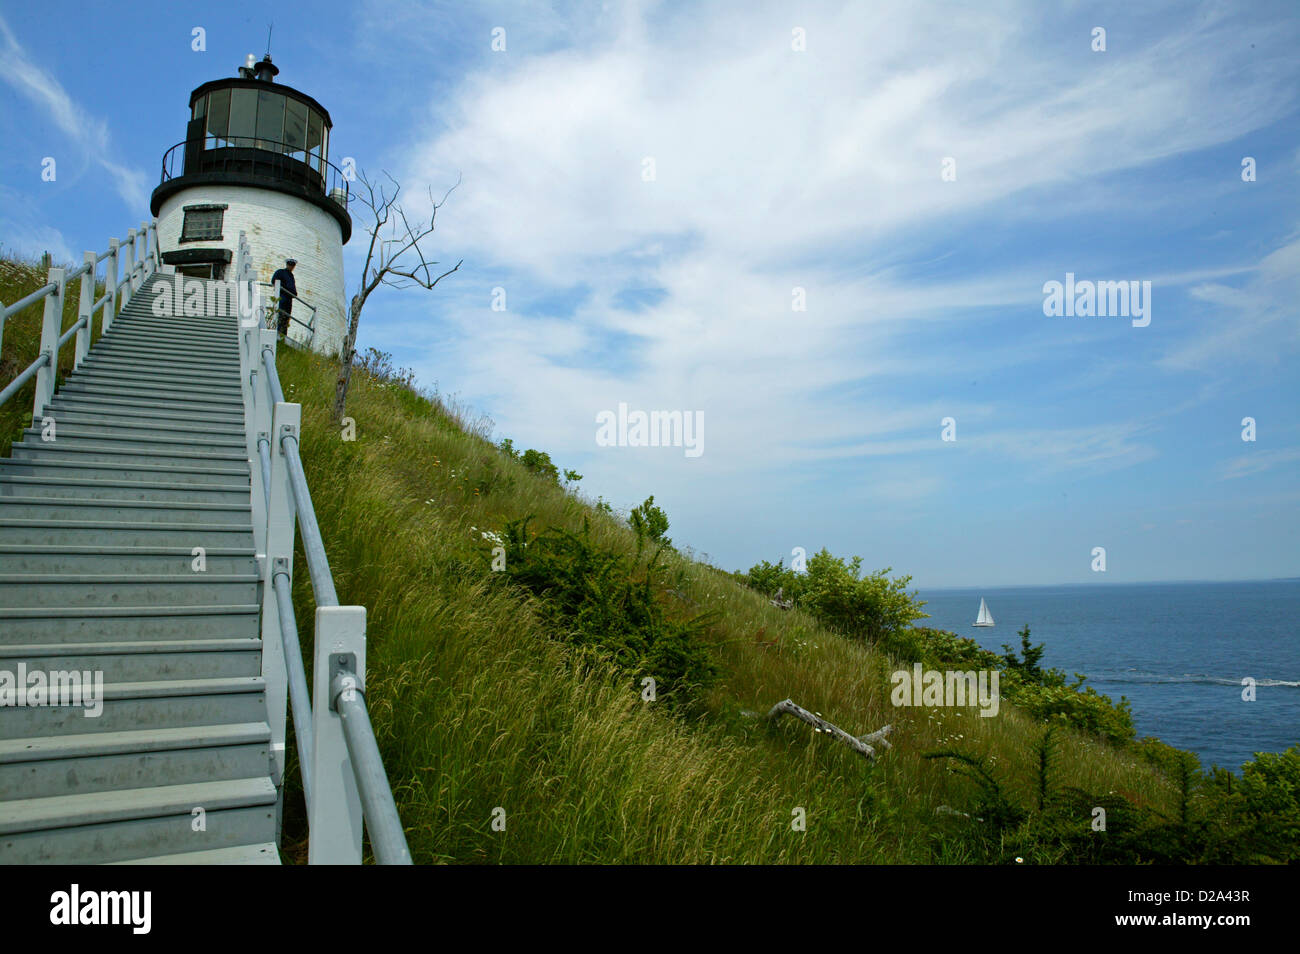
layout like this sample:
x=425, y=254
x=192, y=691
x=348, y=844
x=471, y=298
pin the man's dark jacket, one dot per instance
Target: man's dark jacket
x=285, y=278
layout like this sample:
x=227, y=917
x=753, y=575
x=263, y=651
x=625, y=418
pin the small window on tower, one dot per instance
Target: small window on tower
x=202, y=223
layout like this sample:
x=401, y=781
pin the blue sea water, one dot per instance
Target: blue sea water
x=1178, y=651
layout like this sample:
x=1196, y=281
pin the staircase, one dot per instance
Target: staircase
x=100, y=571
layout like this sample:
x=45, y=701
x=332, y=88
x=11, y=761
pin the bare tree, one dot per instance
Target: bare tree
x=385, y=267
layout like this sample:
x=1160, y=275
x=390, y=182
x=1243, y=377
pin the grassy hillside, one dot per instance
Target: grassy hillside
x=481, y=699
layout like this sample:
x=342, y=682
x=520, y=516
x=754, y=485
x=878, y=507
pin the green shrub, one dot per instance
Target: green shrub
x=539, y=462
x=1269, y=796
x=870, y=608
x=649, y=523
x=598, y=598
x=1082, y=707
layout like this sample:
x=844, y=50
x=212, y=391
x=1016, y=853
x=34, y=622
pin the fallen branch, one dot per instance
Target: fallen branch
x=864, y=746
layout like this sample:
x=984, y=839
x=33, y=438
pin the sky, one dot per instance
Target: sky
x=823, y=233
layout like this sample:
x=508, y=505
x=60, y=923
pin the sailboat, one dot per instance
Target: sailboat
x=985, y=618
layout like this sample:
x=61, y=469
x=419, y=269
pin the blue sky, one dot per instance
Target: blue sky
x=778, y=169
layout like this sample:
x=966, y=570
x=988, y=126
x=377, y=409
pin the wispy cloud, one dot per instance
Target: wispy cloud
x=1257, y=463
x=89, y=133
x=1262, y=316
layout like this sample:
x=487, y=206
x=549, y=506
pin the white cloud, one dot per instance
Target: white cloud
x=778, y=169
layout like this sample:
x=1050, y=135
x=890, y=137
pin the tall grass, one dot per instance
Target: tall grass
x=478, y=708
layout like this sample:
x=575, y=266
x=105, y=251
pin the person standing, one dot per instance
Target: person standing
x=287, y=292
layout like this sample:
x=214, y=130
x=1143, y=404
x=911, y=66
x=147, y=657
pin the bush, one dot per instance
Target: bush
x=1270, y=800
x=602, y=600
x=1082, y=707
x=767, y=578
x=537, y=462
x=871, y=608
x=649, y=523
x=939, y=649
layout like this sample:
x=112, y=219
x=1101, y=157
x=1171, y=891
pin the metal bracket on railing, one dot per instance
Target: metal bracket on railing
x=344, y=678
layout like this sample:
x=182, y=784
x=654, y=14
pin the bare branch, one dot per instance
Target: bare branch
x=384, y=265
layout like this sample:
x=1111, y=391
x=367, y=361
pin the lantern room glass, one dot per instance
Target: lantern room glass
x=243, y=117
x=263, y=119
x=218, y=117
x=270, y=121
x=295, y=129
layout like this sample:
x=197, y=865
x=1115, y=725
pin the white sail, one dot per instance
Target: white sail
x=985, y=618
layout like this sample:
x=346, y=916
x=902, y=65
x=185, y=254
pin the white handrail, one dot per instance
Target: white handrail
x=342, y=771
x=46, y=365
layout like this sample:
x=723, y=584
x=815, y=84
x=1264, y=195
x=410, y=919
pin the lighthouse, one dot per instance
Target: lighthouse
x=255, y=159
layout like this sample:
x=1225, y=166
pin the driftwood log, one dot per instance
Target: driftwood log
x=779, y=600
x=864, y=746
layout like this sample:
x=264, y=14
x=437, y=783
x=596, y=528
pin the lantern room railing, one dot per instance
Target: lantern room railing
x=258, y=159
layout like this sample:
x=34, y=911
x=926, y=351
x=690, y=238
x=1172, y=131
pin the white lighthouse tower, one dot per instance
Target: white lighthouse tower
x=256, y=159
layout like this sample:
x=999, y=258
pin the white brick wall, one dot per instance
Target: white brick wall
x=278, y=226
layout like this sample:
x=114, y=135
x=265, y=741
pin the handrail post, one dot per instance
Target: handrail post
x=110, y=283
x=334, y=817
x=51, y=326
x=144, y=241
x=275, y=308
x=85, y=308
x=280, y=523
x=128, y=277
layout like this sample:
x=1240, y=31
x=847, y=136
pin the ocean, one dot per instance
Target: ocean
x=1178, y=651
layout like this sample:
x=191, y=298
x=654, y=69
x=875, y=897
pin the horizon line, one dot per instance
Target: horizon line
x=1009, y=586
